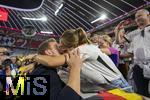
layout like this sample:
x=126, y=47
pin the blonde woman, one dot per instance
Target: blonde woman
x=106, y=47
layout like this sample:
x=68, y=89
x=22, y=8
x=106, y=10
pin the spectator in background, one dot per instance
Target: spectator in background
x=124, y=61
x=3, y=52
x=105, y=45
x=3, y=56
x=94, y=39
x=9, y=68
x=139, y=48
x=10, y=74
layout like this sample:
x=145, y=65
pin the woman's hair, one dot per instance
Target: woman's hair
x=74, y=38
x=107, y=39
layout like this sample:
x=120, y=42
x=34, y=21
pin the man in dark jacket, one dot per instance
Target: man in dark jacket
x=58, y=89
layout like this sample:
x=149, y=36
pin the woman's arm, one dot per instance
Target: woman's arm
x=50, y=61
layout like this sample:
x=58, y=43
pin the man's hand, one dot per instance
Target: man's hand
x=119, y=32
x=75, y=63
x=119, y=27
x=74, y=59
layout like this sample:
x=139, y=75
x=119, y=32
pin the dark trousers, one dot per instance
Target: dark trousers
x=123, y=68
x=140, y=82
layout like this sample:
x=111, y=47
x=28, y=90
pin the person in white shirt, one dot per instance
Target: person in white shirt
x=139, y=48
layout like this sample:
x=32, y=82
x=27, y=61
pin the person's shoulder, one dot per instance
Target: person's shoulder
x=46, y=68
x=147, y=28
x=88, y=47
x=41, y=69
x=134, y=32
x=131, y=35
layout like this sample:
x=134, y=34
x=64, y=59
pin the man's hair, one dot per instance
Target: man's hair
x=144, y=10
x=45, y=45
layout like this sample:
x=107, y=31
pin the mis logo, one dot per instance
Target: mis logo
x=29, y=85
